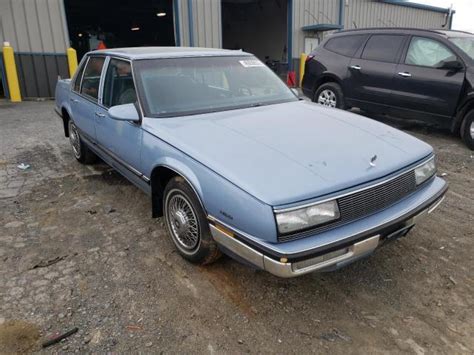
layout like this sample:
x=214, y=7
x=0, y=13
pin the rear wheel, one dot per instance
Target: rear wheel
x=187, y=224
x=330, y=95
x=81, y=152
x=467, y=132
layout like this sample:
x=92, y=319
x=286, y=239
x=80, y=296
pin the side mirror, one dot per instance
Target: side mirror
x=452, y=65
x=127, y=112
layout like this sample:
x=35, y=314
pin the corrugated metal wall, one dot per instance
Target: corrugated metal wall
x=310, y=12
x=38, y=33
x=206, y=22
x=372, y=13
x=182, y=7
x=37, y=26
x=360, y=13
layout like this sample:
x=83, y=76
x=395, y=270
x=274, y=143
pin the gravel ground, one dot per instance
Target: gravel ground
x=78, y=249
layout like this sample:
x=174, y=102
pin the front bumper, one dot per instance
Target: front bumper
x=333, y=256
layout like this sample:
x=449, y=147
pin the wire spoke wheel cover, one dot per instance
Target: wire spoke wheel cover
x=327, y=98
x=183, y=222
x=74, y=140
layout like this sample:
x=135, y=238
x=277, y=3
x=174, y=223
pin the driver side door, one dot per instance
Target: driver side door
x=422, y=88
x=120, y=140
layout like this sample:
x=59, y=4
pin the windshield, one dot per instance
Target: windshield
x=183, y=86
x=466, y=44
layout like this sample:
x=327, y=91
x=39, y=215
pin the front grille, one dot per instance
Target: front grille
x=364, y=203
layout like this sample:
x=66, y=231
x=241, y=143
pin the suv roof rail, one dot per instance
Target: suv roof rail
x=456, y=31
x=438, y=31
x=433, y=30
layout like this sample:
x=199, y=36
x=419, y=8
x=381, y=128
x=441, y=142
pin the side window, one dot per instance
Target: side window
x=118, y=87
x=347, y=45
x=77, y=83
x=428, y=53
x=91, y=79
x=383, y=48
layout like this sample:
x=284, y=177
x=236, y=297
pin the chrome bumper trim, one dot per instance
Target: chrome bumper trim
x=423, y=214
x=355, y=251
x=330, y=260
x=237, y=247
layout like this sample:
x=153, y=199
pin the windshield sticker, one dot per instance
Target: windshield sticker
x=250, y=63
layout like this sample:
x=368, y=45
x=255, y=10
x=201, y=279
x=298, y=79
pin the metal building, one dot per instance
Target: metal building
x=277, y=31
x=37, y=31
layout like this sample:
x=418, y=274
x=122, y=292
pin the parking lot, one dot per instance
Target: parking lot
x=78, y=248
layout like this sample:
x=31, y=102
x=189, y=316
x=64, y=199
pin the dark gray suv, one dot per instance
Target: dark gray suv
x=411, y=73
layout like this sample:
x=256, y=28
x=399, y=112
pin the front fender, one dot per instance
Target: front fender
x=220, y=198
x=181, y=169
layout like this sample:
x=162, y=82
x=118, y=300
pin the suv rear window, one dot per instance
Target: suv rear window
x=346, y=45
x=383, y=48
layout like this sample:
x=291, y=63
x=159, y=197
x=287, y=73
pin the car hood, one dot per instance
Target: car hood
x=291, y=152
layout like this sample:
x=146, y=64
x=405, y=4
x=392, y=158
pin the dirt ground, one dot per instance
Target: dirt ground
x=78, y=248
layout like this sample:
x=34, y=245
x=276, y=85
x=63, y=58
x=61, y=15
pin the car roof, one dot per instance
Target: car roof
x=133, y=53
x=406, y=30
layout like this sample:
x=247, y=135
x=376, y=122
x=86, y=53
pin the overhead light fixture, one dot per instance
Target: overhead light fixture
x=79, y=34
x=161, y=14
x=135, y=29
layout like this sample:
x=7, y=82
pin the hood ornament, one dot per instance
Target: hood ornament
x=372, y=161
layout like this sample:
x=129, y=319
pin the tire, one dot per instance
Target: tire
x=187, y=224
x=81, y=152
x=330, y=95
x=467, y=130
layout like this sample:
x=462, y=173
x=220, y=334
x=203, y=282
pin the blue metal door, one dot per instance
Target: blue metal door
x=121, y=139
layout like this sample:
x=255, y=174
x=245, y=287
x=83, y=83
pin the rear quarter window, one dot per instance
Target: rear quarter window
x=347, y=45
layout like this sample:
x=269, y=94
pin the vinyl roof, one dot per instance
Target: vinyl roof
x=167, y=52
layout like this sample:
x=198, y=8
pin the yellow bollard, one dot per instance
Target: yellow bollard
x=12, y=75
x=72, y=61
x=302, y=63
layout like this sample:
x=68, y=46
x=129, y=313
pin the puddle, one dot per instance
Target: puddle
x=17, y=336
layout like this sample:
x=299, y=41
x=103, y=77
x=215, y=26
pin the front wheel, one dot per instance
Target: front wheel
x=468, y=130
x=187, y=224
x=330, y=95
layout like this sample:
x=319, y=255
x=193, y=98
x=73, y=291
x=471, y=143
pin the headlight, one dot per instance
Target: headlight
x=425, y=171
x=307, y=217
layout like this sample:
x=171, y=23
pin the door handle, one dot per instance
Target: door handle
x=355, y=67
x=100, y=114
x=74, y=100
x=405, y=74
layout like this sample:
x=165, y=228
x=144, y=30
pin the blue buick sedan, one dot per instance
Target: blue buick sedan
x=236, y=163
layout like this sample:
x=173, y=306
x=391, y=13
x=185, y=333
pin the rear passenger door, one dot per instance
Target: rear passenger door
x=372, y=70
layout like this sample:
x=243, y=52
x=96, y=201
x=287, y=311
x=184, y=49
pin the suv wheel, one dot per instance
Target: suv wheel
x=467, y=132
x=81, y=152
x=187, y=224
x=330, y=95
